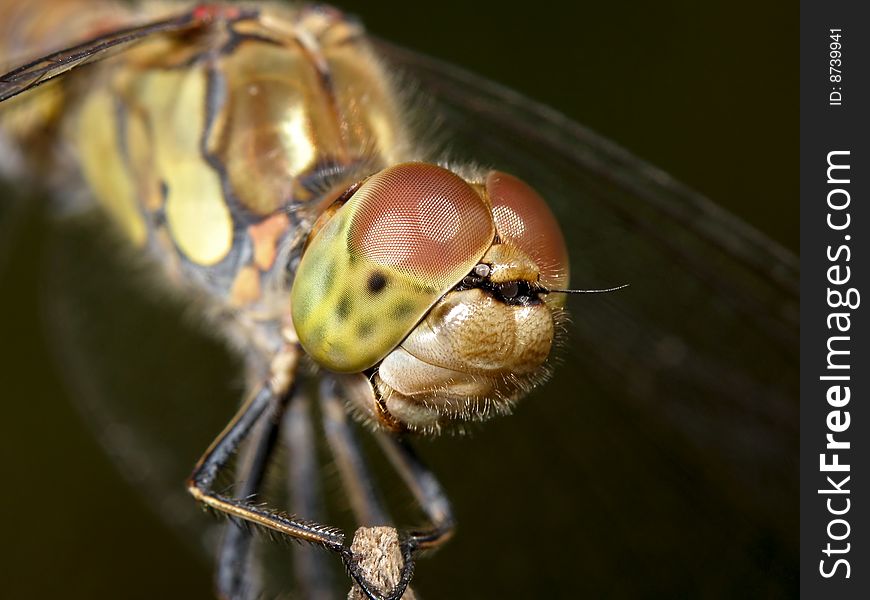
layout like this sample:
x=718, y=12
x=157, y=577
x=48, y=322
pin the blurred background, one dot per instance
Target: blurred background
x=705, y=91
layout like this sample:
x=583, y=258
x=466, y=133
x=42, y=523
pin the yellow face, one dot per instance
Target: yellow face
x=439, y=287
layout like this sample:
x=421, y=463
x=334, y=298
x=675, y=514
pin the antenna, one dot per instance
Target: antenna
x=604, y=291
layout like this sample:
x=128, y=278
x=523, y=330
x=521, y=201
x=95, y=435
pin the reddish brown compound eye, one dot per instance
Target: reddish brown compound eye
x=524, y=219
x=377, y=265
x=421, y=220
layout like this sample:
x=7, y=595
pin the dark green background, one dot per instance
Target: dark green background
x=707, y=91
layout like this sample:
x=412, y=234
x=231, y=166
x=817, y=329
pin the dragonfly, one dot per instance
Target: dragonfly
x=720, y=342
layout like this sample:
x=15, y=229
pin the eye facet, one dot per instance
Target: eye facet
x=409, y=234
x=524, y=219
x=421, y=220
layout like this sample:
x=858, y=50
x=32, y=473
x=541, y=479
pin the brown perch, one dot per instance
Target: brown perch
x=381, y=560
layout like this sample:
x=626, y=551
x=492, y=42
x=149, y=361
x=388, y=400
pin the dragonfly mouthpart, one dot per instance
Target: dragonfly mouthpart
x=519, y=292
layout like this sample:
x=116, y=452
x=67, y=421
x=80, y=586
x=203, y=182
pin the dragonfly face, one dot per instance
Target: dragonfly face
x=432, y=281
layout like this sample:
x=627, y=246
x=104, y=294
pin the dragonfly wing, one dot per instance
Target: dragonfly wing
x=141, y=377
x=46, y=68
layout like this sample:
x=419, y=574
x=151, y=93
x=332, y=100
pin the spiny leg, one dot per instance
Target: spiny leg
x=355, y=477
x=236, y=576
x=431, y=497
x=201, y=483
x=375, y=557
x=426, y=489
x=312, y=575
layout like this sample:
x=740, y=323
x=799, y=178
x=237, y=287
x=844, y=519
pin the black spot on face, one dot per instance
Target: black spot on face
x=327, y=278
x=317, y=334
x=401, y=310
x=376, y=283
x=343, y=309
x=365, y=329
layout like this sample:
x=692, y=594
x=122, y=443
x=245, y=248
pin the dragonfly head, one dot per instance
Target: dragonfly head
x=438, y=289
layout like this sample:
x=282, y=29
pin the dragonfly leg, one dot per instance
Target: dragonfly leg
x=266, y=401
x=426, y=489
x=364, y=501
x=312, y=576
x=420, y=480
x=201, y=483
x=236, y=577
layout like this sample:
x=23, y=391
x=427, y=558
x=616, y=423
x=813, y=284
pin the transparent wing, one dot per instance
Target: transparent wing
x=142, y=375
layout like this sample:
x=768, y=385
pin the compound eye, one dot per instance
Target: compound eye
x=407, y=236
x=524, y=219
x=423, y=221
